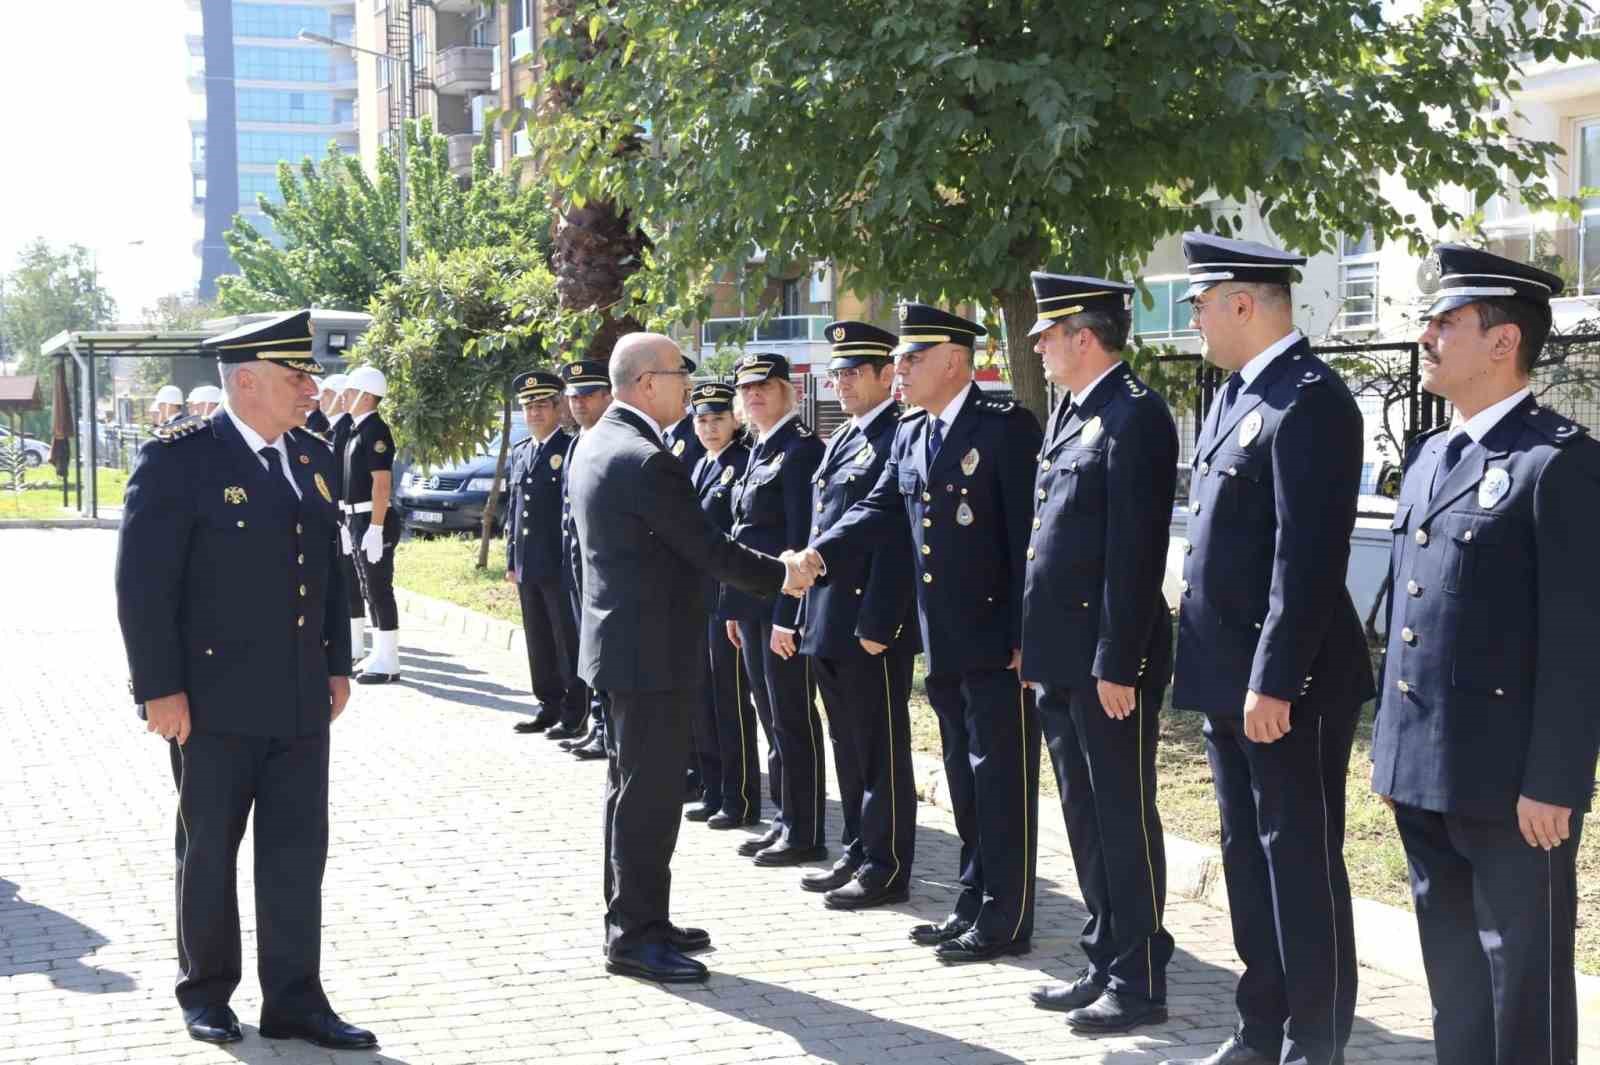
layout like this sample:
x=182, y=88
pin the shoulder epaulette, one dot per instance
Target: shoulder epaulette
x=1557, y=429
x=1310, y=377
x=802, y=429
x=913, y=414
x=996, y=406
x=1136, y=387
x=172, y=432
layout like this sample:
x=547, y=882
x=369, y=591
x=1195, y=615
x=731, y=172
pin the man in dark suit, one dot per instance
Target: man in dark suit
x=647, y=548
x=1484, y=743
x=243, y=684
x=859, y=629
x=1097, y=638
x=961, y=473
x=1271, y=650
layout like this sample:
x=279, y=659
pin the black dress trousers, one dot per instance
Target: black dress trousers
x=220, y=779
x=800, y=772
x=377, y=578
x=552, y=644
x=729, y=764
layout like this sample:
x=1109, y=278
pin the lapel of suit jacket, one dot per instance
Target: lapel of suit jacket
x=1095, y=401
x=633, y=423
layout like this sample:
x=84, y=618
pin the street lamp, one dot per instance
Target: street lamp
x=394, y=82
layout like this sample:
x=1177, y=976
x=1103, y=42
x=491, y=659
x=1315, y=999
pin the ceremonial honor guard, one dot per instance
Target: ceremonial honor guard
x=1097, y=640
x=588, y=395
x=725, y=733
x=168, y=405
x=204, y=400
x=961, y=473
x=1271, y=650
x=1484, y=743
x=772, y=513
x=373, y=525
x=234, y=624
x=534, y=560
x=859, y=629
x=320, y=420
x=339, y=438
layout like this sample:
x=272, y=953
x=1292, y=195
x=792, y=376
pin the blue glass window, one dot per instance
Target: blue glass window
x=277, y=105
x=272, y=148
x=253, y=184
x=275, y=20
x=255, y=63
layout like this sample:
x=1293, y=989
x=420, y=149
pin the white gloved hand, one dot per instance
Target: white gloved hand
x=372, y=543
x=345, y=546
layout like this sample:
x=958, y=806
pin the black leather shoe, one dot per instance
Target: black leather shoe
x=593, y=751
x=858, y=895
x=325, y=1029
x=566, y=732
x=567, y=745
x=973, y=945
x=1072, y=995
x=1232, y=1052
x=1112, y=1012
x=369, y=677
x=781, y=854
x=661, y=962
x=687, y=939
x=931, y=935
x=843, y=871
x=212, y=1024
x=704, y=812
x=724, y=821
x=544, y=719
x=751, y=847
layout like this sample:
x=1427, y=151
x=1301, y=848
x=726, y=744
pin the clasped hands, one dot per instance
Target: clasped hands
x=803, y=568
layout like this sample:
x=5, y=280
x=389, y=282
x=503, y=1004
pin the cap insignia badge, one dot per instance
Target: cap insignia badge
x=1493, y=488
x=903, y=311
x=969, y=462
x=1250, y=428
x=322, y=487
x=963, y=514
x=234, y=494
x=838, y=333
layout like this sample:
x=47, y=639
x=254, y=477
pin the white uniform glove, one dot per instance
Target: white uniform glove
x=345, y=546
x=372, y=543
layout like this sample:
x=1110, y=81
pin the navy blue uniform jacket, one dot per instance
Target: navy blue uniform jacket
x=870, y=596
x=227, y=588
x=1492, y=672
x=534, y=517
x=713, y=479
x=969, y=573
x=1092, y=605
x=1272, y=504
x=772, y=513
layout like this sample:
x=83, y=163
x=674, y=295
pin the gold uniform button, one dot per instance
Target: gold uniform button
x=1045, y=465
x=927, y=523
x=1403, y=686
x=1041, y=493
x=1030, y=554
x=1422, y=537
x=1204, y=466
x=926, y=550
x=1185, y=586
x=300, y=622
x=241, y=525
x=819, y=508
x=927, y=578
x=302, y=591
x=300, y=559
x=297, y=528
x=1035, y=523
x=1468, y=536
x=1194, y=508
x=1407, y=635
x=927, y=497
x=1413, y=589
x=815, y=529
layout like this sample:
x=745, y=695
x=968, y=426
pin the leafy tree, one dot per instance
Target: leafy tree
x=449, y=336
x=339, y=230
x=174, y=312
x=944, y=148
x=46, y=292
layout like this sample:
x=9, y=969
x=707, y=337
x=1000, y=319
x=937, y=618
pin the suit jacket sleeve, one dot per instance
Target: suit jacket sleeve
x=1141, y=478
x=797, y=476
x=1021, y=451
x=1316, y=470
x=152, y=549
x=889, y=590
x=873, y=521
x=1561, y=748
x=668, y=506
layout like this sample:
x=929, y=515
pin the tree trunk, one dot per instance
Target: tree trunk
x=597, y=248
x=1027, y=370
x=493, y=504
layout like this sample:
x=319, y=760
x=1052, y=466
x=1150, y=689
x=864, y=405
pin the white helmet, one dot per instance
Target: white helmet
x=170, y=394
x=334, y=382
x=368, y=379
x=205, y=394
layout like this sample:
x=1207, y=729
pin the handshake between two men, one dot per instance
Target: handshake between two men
x=804, y=567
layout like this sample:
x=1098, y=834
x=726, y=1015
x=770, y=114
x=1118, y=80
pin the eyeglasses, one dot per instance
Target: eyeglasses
x=1198, y=306
x=679, y=372
x=909, y=360
x=849, y=373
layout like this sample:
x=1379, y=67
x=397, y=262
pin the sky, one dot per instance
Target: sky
x=95, y=123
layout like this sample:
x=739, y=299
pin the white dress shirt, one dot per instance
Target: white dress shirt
x=1479, y=425
x=655, y=426
x=255, y=443
x=1252, y=369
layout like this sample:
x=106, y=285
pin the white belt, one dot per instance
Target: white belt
x=356, y=508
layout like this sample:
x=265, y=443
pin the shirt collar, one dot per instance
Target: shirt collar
x=540, y=440
x=861, y=421
x=785, y=420
x=1077, y=398
x=359, y=418
x=252, y=439
x=1252, y=369
x=953, y=408
x=655, y=427
x=1479, y=425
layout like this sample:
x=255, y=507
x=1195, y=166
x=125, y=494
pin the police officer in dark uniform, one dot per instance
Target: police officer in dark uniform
x=588, y=395
x=245, y=683
x=725, y=732
x=859, y=629
x=1484, y=743
x=680, y=436
x=339, y=438
x=772, y=513
x=373, y=524
x=1097, y=639
x=961, y=471
x=1271, y=650
x=534, y=560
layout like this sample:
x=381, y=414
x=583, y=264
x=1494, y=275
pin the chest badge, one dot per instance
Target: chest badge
x=865, y=455
x=1493, y=488
x=380, y=447
x=677, y=448
x=964, y=514
x=555, y=462
x=969, y=463
x=1250, y=428
x=727, y=475
x=235, y=495
x=776, y=461
x=1091, y=430
x=322, y=487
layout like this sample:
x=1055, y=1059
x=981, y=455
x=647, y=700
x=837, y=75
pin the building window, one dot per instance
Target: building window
x=276, y=20
x=197, y=145
x=276, y=105
x=199, y=189
x=253, y=184
x=790, y=297
x=420, y=60
x=1165, y=317
x=259, y=63
x=1358, y=283
x=269, y=149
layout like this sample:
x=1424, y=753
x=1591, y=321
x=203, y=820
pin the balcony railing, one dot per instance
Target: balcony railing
x=783, y=329
x=462, y=68
x=461, y=146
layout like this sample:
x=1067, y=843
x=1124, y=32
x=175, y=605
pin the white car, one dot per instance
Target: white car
x=34, y=452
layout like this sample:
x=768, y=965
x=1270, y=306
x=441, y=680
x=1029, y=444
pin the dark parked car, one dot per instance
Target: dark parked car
x=451, y=500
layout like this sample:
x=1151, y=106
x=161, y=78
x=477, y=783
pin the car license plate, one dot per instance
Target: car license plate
x=434, y=517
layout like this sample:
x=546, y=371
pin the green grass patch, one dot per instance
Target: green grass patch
x=445, y=567
x=40, y=496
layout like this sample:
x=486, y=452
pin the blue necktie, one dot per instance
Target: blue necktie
x=935, y=440
x=1452, y=454
x=1230, y=392
x=275, y=473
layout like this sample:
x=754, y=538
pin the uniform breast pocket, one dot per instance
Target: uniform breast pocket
x=230, y=516
x=1083, y=479
x=1244, y=482
x=1473, y=544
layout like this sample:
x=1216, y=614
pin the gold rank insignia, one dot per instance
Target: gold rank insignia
x=1091, y=429
x=969, y=462
x=322, y=487
x=677, y=448
x=234, y=494
x=727, y=475
x=555, y=462
x=904, y=312
x=838, y=333
x=963, y=514
x=380, y=447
